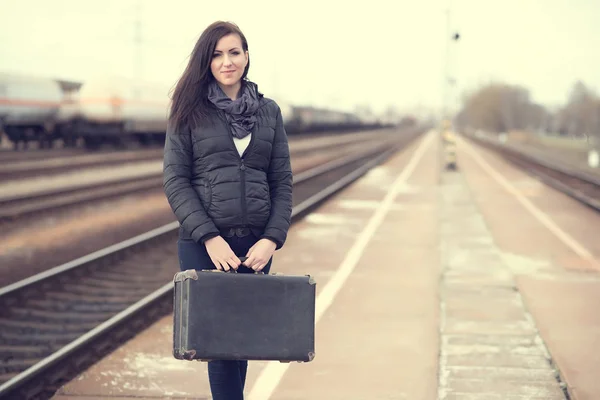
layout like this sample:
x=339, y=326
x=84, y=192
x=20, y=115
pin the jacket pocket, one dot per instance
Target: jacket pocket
x=204, y=192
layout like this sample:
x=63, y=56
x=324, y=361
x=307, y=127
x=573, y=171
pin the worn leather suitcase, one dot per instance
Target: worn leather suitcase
x=237, y=316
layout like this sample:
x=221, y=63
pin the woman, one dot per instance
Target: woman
x=227, y=173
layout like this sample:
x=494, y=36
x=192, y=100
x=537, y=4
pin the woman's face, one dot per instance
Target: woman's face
x=229, y=60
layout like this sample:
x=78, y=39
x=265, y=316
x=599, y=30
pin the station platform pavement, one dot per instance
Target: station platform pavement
x=431, y=284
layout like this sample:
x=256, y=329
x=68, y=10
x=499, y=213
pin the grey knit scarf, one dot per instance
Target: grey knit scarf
x=239, y=112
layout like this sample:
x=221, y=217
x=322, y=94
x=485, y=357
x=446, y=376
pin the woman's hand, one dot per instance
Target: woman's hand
x=221, y=254
x=259, y=255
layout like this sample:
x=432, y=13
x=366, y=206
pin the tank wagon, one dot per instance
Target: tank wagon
x=120, y=112
x=116, y=112
x=29, y=106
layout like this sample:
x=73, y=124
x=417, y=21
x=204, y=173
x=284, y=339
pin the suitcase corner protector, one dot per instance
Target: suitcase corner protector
x=311, y=280
x=182, y=354
x=187, y=274
x=311, y=356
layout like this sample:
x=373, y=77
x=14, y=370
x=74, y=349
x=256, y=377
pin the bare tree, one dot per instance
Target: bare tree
x=581, y=114
x=500, y=107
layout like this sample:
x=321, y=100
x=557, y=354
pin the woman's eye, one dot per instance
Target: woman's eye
x=235, y=53
x=216, y=55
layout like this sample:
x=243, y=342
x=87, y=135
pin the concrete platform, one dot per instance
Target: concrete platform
x=567, y=316
x=490, y=346
x=426, y=289
x=550, y=243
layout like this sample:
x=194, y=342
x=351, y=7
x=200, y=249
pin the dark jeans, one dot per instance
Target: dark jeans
x=226, y=377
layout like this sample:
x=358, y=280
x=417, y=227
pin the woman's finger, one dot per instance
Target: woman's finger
x=258, y=264
x=216, y=264
x=224, y=265
x=231, y=262
x=249, y=261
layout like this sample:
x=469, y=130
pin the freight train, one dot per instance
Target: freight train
x=118, y=112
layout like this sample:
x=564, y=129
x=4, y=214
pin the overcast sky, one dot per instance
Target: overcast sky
x=322, y=52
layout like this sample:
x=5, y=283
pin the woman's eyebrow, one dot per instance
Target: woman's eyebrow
x=233, y=48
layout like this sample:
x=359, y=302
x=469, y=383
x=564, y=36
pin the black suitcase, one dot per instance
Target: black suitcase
x=243, y=316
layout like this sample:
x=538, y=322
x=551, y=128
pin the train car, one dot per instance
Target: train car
x=121, y=112
x=308, y=119
x=117, y=112
x=29, y=106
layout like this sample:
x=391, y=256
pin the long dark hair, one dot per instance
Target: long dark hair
x=190, y=105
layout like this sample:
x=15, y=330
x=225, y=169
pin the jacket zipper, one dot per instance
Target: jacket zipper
x=243, y=197
x=242, y=169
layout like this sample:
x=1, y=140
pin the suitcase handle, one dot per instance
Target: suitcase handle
x=242, y=259
x=233, y=271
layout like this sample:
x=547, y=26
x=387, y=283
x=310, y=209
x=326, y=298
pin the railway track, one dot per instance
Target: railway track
x=10, y=155
x=16, y=207
x=42, y=167
x=580, y=185
x=55, y=324
x=32, y=164
x=13, y=208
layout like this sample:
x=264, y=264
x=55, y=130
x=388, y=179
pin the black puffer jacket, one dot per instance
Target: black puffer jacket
x=211, y=188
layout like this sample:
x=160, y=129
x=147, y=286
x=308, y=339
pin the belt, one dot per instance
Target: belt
x=239, y=232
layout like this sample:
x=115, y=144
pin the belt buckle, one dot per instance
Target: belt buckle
x=241, y=232
x=229, y=233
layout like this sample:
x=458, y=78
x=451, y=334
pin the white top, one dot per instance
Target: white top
x=241, y=144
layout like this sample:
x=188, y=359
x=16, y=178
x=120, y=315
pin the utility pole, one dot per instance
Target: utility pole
x=449, y=81
x=445, y=90
x=448, y=140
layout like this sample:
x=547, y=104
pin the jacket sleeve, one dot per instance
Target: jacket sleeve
x=183, y=199
x=280, y=184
